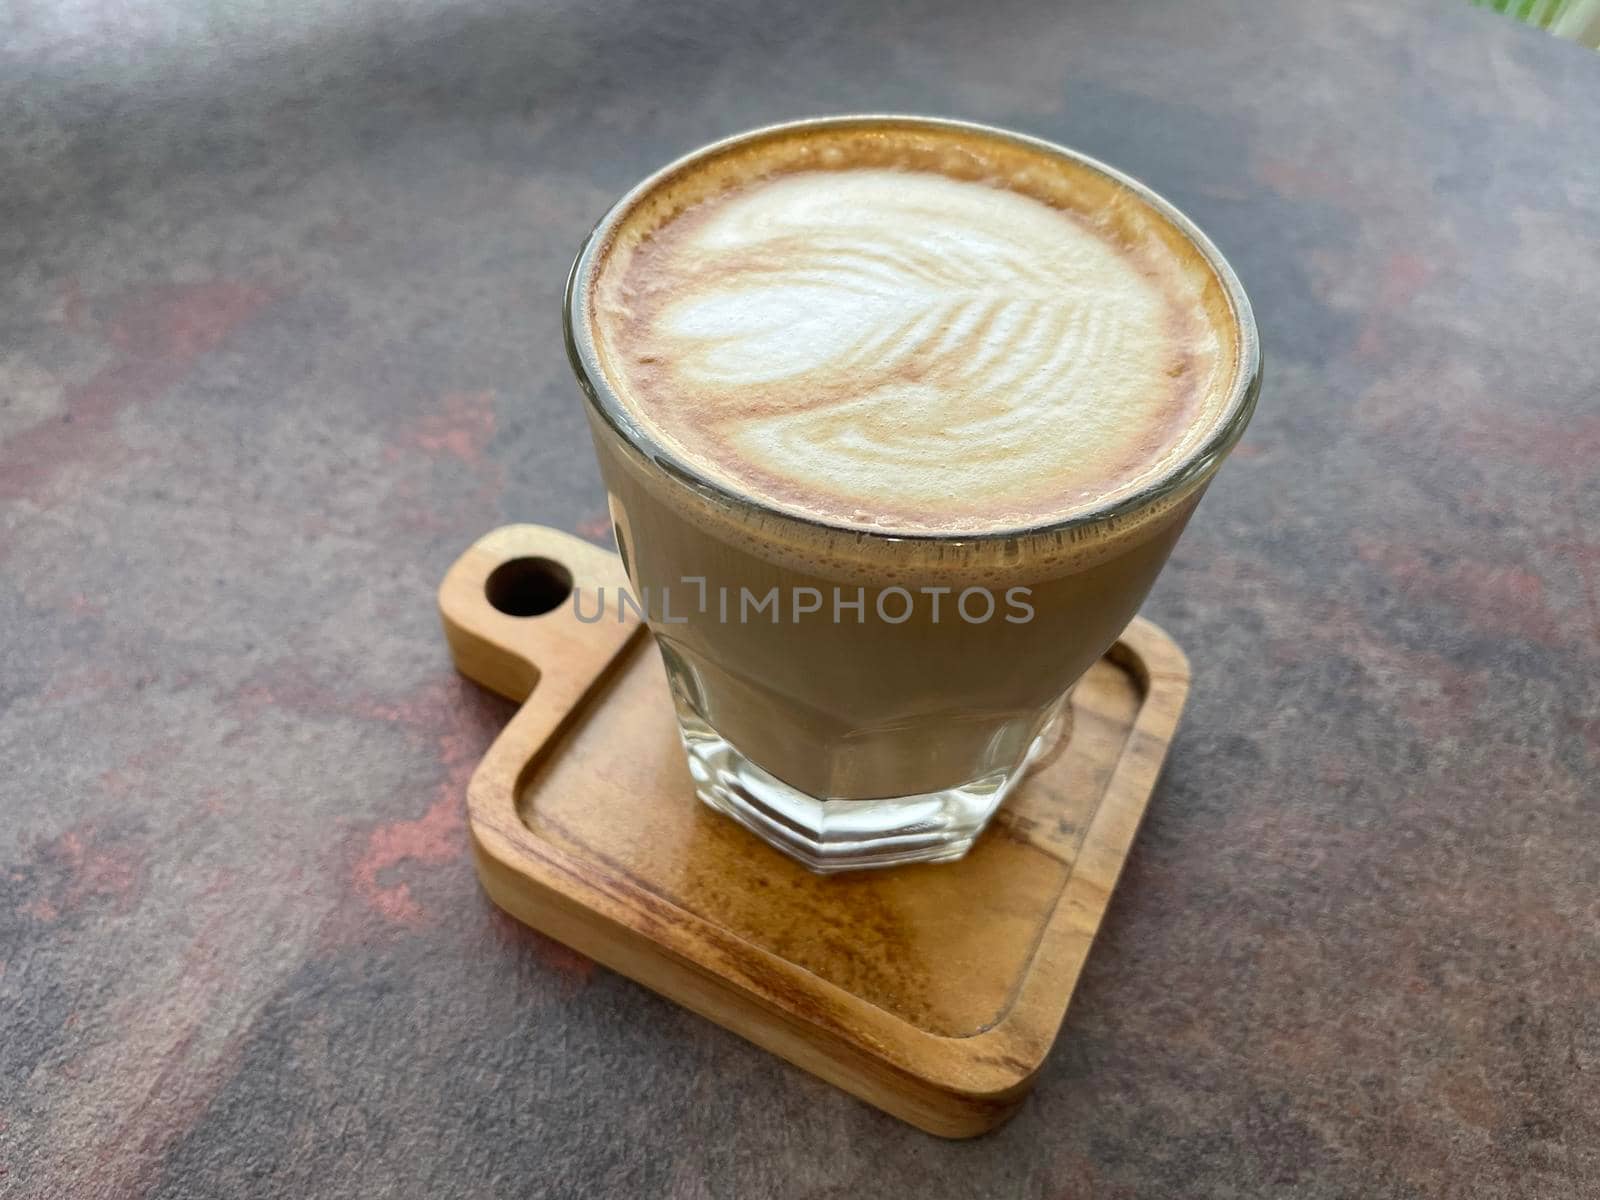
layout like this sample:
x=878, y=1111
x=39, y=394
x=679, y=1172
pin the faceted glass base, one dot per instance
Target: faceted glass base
x=847, y=835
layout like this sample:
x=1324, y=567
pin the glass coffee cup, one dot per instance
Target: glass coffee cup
x=847, y=379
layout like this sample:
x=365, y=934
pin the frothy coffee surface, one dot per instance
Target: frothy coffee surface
x=913, y=331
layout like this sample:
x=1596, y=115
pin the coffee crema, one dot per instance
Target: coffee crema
x=917, y=330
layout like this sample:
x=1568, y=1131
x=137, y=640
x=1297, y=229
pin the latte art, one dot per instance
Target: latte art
x=902, y=349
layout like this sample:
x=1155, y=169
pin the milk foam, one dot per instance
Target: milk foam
x=908, y=350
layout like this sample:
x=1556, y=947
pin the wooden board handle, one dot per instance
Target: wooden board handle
x=509, y=616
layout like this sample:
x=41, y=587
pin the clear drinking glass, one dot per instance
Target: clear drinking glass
x=858, y=698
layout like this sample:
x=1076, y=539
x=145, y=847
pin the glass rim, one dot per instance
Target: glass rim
x=1190, y=469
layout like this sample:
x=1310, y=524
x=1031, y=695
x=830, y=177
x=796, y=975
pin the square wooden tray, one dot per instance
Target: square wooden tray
x=933, y=992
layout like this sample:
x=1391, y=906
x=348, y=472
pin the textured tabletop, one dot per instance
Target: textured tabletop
x=280, y=337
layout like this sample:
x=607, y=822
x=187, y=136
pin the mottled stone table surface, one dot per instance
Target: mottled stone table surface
x=280, y=337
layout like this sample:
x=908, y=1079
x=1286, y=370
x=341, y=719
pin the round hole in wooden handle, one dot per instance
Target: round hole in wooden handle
x=528, y=586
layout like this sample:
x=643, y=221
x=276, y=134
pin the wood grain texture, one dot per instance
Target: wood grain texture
x=931, y=991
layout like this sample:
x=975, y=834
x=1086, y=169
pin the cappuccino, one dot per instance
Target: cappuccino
x=897, y=356
x=912, y=334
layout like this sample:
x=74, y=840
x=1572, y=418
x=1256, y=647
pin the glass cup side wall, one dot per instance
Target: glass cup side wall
x=854, y=722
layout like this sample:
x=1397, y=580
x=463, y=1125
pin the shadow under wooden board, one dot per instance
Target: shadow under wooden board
x=933, y=991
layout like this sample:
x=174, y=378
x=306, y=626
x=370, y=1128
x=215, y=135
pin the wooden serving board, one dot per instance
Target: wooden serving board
x=931, y=991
